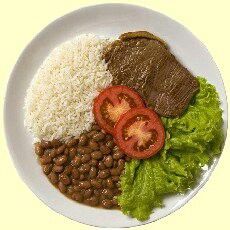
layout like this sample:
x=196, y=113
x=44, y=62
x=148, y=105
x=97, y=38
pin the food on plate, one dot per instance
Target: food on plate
x=120, y=124
x=59, y=104
x=112, y=102
x=143, y=62
x=192, y=141
x=139, y=133
x=86, y=169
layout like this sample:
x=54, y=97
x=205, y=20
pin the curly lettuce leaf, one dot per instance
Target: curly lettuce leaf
x=193, y=140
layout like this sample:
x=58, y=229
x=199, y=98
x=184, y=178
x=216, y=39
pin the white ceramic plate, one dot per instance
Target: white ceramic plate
x=108, y=19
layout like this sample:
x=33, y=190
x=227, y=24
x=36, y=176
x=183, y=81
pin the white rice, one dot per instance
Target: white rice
x=58, y=103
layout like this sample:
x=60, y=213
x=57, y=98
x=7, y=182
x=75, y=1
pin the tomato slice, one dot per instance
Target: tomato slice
x=139, y=133
x=112, y=102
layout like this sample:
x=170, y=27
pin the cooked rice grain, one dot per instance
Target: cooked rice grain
x=58, y=103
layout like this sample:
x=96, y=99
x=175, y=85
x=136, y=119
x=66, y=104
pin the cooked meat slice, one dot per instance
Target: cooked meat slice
x=143, y=62
x=175, y=91
x=132, y=62
x=141, y=34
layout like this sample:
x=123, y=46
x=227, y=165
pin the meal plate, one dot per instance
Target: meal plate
x=108, y=20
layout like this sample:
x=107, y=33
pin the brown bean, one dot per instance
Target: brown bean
x=66, y=152
x=74, y=181
x=71, y=142
x=75, y=173
x=88, y=193
x=107, y=193
x=92, y=201
x=100, y=143
x=53, y=153
x=101, y=165
x=97, y=155
x=84, y=184
x=115, y=164
x=78, y=197
x=82, y=177
x=85, y=158
x=76, y=161
x=108, y=137
x=108, y=161
x=70, y=190
x=115, y=178
x=84, y=150
x=103, y=174
x=121, y=164
x=47, y=152
x=94, y=162
x=85, y=168
x=53, y=178
x=54, y=159
x=116, y=191
x=64, y=179
x=62, y=187
x=47, y=168
x=93, y=145
x=68, y=169
x=55, y=143
x=38, y=149
x=105, y=150
x=76, y=188
x=46, y=144
x=110, y=144
x=61, y=149
x=91, y=133
x=109, y=183
x=72, y=152
x=92, y=172
x=104, y=183
x=97, y=192
x=114, y=172
x=96, y=127
x=118, y=155
x=98, y=136
x=45, y=159
x=83, y=140
x=58, y=168
x=106, y=203
x=96, y=183
x=61, y=160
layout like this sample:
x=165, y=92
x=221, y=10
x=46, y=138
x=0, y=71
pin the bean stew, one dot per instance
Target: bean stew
x=86, y=169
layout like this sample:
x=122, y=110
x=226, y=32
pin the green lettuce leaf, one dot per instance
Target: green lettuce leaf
x=193, y=140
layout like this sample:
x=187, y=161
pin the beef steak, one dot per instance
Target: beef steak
x=143, y=62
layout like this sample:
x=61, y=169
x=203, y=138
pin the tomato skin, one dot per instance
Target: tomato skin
x=112, y=93
x=128, y=146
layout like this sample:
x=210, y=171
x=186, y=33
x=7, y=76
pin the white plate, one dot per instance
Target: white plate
x=108, y=19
